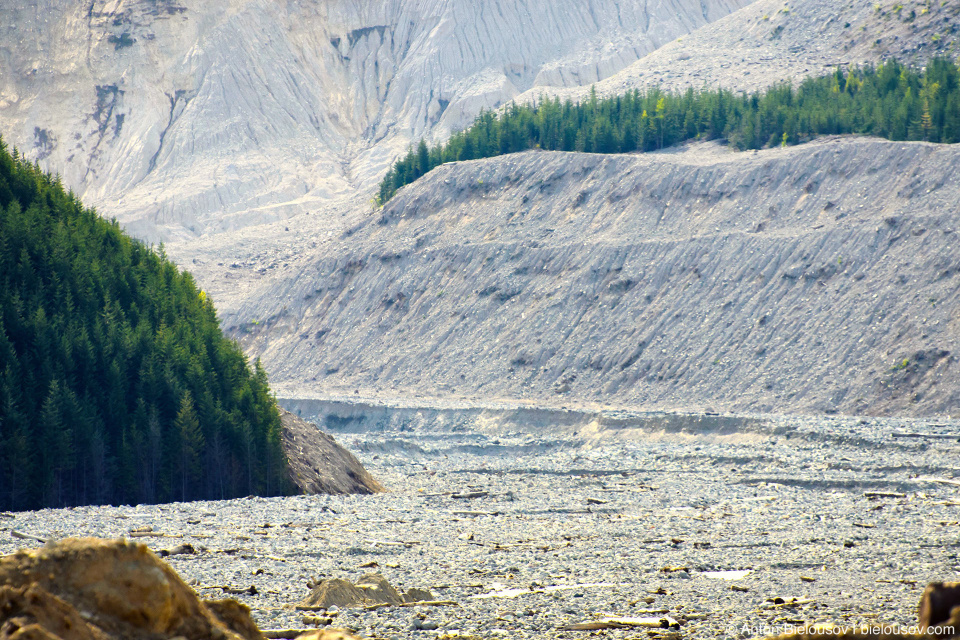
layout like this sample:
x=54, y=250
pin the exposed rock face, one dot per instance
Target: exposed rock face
x=815, y=278
x=317, y=464
x=96, y=589
x=181, y=117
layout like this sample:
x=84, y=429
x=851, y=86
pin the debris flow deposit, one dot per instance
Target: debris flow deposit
x=511, y=532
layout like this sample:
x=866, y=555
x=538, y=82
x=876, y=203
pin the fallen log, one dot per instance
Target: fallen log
x=26, y=536
x=421, y=603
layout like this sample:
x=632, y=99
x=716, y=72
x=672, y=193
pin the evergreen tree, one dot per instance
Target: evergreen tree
x=891, y=101
x=187, y=428
x=116, y=381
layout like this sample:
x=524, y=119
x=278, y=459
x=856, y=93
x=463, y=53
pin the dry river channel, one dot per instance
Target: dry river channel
x=736, y=534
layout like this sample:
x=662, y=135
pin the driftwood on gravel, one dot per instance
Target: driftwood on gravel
x=317, y=464
x=623, y=623
x=308, y=634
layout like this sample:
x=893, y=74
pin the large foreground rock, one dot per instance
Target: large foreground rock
x=91, y=589
x=317, y=464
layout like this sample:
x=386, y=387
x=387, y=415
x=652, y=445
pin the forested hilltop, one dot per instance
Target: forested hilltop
x=890, y=101
x=116, y=382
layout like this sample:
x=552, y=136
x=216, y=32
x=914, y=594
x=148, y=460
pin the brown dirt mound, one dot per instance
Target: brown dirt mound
x=317, y=464
x=122, y=589
x=370, y=589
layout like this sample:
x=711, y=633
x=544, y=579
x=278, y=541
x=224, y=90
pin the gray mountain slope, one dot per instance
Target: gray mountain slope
x=770, y=41
x=189, y=117
x=762, y=43
x=821, y=277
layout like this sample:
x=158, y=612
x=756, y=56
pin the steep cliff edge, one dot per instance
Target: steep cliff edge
x=814, y=278
x=182, y=117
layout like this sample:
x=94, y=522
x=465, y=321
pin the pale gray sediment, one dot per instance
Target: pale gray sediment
x=780, y=497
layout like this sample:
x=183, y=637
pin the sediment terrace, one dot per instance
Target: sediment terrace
x=820, y=278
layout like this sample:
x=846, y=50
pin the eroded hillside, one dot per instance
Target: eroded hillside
x=813, y=278
x=770, y=41
x=182, y=117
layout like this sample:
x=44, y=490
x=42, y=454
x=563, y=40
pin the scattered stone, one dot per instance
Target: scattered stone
x=183, y=549
x=786, y=603
x=780, y=540
x=417, y=595
x=939, y=609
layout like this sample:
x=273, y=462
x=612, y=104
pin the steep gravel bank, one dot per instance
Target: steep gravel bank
x=816, y=278
x=529, y=532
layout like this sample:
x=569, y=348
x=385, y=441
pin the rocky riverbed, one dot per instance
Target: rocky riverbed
x=730, y=534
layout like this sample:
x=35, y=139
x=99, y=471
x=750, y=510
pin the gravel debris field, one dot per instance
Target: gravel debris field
x=738, y=535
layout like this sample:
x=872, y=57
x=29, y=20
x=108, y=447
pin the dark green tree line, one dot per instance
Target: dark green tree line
x=117, y=384
x=890, y=101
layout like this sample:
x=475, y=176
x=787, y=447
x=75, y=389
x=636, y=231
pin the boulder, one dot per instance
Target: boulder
x=317, y=464
x=92, y=589
x=418, y=595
